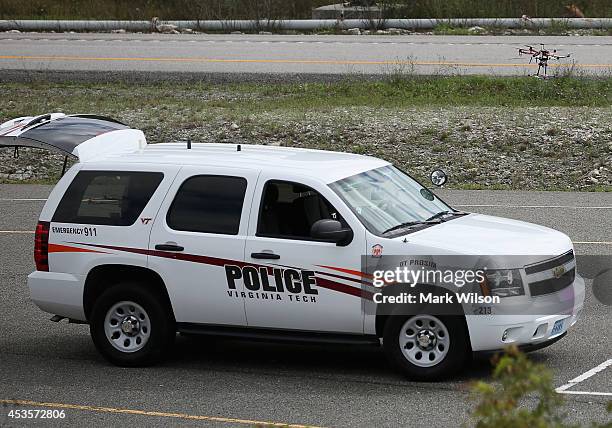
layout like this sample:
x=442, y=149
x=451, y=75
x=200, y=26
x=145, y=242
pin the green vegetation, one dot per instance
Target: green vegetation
x=482, y=91
x=448, y=30
x=558, y=27
x=505, y=404
x=276, y=9
x=396, y=90
x=400, y=91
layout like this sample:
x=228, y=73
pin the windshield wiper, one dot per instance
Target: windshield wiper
x=402, y=226
x=410, y=224
x=440, y=214
x=434, y=219
x=443, y=213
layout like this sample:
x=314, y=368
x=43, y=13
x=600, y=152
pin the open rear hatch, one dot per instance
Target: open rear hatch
x=84, y=136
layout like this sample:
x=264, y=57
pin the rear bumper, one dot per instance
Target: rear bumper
x=58, y=293
x=528, y=332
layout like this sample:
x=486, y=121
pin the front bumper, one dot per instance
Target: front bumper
x=529, y=332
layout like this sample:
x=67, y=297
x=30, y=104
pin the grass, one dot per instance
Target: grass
x=446, y=29
x=558, y=27
x=394, y=91
x=398, y=91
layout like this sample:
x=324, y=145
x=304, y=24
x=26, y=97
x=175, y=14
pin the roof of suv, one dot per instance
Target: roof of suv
x=325, y=165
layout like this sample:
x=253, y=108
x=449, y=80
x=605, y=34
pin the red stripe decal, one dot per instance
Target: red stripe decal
x=318, y=272
x=346, y=278
x=349, y=271
x=214, y=261
x=57, y=248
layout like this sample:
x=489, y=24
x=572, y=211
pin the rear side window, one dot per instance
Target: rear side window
x=107, y=198
x=208, y=204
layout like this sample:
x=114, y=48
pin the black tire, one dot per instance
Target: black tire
x=456, y=358
x=162, y=325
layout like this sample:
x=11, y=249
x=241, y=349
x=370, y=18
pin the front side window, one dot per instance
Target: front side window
x=288, y=210
x=385, y=198
x=208, y=204
x=107, y=198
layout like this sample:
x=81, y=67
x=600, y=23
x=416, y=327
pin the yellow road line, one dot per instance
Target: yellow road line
x=149, y=413
x=291, y=61
x=16, y=232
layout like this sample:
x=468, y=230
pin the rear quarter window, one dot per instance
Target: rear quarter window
x=108, y=198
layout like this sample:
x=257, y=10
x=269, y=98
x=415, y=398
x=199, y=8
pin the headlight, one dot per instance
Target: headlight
x=502, y=283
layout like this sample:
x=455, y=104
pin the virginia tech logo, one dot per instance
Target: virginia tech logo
x=377, y=250
x=145, y=220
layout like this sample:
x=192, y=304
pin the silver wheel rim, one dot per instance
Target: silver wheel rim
x=127, y=326
x=424, y=340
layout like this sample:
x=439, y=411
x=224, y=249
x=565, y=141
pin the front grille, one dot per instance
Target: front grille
x=551, y=275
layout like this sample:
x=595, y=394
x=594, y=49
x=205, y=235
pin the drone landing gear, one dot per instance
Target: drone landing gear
x=544, y=76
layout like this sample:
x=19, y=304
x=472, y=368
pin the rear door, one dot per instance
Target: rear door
x=200, y=230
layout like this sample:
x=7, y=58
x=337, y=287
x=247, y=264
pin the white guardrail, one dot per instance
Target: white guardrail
x=301, y=24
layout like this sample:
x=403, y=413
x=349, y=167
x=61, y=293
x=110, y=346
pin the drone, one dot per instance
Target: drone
x=542, y=56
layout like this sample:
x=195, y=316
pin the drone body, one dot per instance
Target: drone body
x=542, y=56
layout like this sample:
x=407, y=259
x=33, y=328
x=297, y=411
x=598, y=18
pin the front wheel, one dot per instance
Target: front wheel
x=426, y=347
x=130, y=326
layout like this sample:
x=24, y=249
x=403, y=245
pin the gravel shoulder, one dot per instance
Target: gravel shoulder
x=480, y=146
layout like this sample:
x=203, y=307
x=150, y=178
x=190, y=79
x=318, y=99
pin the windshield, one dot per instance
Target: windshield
x=386, y=197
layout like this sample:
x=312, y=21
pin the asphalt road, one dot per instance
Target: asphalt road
x=281, y=55
x=232, y=382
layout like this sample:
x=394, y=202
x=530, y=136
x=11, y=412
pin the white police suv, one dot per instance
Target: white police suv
x=141, y=241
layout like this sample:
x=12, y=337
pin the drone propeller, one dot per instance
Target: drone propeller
x=529, y=51
x=555, y=56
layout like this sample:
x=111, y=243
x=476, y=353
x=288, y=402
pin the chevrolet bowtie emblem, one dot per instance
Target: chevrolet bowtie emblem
x=559, y=271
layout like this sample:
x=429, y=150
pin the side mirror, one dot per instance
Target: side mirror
x=331, y=231
x=438, y=178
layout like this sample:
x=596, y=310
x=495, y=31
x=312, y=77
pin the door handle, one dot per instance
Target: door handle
x=268, y=256
x=169, y=247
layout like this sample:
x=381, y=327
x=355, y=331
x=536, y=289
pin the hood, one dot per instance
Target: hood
x=478, y=234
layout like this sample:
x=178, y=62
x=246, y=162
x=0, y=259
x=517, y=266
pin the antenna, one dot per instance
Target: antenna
x=64, y=167
x=238, y=148
x=188, y=143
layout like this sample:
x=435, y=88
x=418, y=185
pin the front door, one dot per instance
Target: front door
x=300, y=283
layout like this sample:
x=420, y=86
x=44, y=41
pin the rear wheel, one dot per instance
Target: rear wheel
x=426, y=347
x=131, y=326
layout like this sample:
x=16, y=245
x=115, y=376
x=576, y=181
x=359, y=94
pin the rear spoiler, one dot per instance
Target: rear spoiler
x=84, y=136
